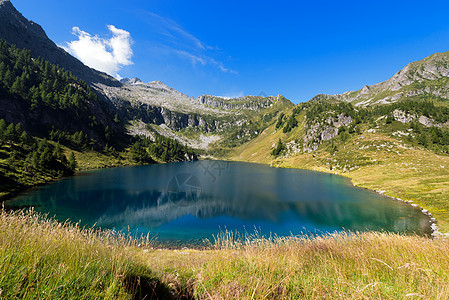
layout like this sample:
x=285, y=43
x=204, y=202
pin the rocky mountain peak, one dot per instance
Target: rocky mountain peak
x=133, y=81
x=365, y=90
x=158, y=83
x=6, y=3
x=415, y=79
x=431, y=68
x=11, y=19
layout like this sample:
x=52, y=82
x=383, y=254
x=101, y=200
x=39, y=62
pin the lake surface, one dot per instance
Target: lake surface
x=184, y=203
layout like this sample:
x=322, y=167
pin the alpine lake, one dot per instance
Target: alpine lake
x=183, y=204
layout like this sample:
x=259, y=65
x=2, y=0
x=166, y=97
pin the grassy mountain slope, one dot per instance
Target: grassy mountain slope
x=406, y=160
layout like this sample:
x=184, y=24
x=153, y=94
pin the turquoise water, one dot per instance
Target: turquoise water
x=184, y=203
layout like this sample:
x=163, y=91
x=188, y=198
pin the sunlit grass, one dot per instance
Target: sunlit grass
x=43, y=259
x=89, y=159
x=339, y=266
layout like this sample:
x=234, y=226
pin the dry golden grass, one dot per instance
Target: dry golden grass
x=43, y=259
x=341, y=266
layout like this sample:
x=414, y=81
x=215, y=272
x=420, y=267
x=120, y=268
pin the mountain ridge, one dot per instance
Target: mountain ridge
x=145, y=107
x=15, y=29
x=403, y=84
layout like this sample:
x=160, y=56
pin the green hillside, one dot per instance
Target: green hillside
x=405, y=160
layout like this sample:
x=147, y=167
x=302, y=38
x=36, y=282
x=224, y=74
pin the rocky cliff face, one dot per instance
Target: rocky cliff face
x=174, y=120
x=16, y=29
x=254, y=103
x=426, y=78
x=42, y=120
x=317, y=132
x=156, y=103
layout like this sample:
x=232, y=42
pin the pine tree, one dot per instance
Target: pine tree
x=2, y=127
x=18, y=129
x=44, y=158
x=10, y=132
x=165, y=156
x=2, y=69
x=57, y=152
x=422, y=139
x=24, y=139
x=279, y=148
x=35, y=159
x=8, y=78
x=56, y=85
x=72, y=162
x=107, y=133
x=17, y=86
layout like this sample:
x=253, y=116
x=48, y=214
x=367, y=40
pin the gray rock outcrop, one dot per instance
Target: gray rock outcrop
x=323, y=131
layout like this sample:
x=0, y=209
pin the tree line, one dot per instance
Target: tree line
x=38, y=84
x=36, y=155
x=147, y=150
x=42, y=83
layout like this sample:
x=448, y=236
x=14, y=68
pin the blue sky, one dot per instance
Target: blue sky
x=233, y=48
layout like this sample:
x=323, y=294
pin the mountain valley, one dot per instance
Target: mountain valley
x=59, y=118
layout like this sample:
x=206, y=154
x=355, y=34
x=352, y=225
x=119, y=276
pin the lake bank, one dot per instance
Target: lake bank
x=417, y=176
x=187, y=202
x=16, y=179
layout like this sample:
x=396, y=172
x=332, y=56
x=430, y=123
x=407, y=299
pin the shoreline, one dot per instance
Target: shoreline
x=435, y=230
x=436, y=233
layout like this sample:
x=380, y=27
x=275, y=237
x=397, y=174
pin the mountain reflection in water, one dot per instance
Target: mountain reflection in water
x=195, y=200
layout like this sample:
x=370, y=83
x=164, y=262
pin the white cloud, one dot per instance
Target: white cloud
x=203, y=60
x=106, y=55
x=185, y=45
x=193, y=58
x=221, y=66
x=175, y=32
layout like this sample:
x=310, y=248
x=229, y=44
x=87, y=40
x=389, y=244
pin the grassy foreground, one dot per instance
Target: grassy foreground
x=43, y=259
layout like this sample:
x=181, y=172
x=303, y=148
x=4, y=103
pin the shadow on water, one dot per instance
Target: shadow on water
x=188, y=202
